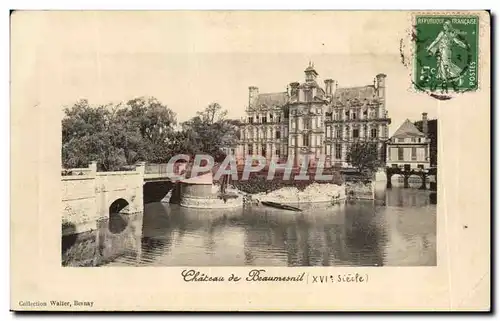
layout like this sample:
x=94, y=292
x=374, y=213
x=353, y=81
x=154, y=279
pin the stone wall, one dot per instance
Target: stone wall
x=79, y=204
x=86, y=197
x=314, y=193
x=111, y=186
x=211, y=202
x=207, y=196
x=195, y=190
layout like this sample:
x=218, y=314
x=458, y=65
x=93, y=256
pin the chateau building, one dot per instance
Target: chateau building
x=310, y=121
x=409, y=148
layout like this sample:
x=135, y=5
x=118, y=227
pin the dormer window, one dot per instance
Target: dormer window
x=308, y=95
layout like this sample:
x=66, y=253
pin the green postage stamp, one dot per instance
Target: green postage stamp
x=446, y=53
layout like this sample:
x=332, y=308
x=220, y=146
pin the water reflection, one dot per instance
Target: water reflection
x=363, y=233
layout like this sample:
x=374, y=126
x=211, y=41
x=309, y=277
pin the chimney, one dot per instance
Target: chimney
x=294, y=89
x=253, y=93
x=425, y=126
x=380, y=81
x=329, y=87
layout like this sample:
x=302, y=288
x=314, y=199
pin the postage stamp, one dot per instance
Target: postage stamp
x=446, y=53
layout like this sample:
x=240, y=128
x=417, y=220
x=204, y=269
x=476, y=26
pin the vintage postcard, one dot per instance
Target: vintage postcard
x=250, y=160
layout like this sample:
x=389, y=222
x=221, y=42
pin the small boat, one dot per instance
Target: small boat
x=281, y=206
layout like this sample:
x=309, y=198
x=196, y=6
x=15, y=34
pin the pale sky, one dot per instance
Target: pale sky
x=190, y=59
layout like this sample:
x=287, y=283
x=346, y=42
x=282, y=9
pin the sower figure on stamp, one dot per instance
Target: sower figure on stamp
x=441, y=47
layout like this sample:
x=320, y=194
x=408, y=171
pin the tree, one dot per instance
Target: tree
x=155, y=124
x=210, y=132
x=88, y=134
x=117, y=135
x=154, y=120
x=212, y=114
x=142, y=129
x=364, y=156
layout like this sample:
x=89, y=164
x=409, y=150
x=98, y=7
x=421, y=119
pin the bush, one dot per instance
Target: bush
x=258, y=182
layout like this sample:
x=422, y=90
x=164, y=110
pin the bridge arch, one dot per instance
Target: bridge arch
x=415, y=180
x=117, y=209
x=397, y=179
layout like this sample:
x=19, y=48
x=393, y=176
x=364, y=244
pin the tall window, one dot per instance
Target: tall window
x=277, y=151
x=355, y=133
x=413, y=153
x=338, y=151
x=347, y=132
x=338, y=133
x=305, y=140
x=400, y=153
x=374, y=133
x=264, y=151
x=250, y=120
x=264, y=119
x=328, y=131
x=250, y=149
x=278, y=134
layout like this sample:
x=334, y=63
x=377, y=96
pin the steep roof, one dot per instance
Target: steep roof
x=360, y=93
x=408, y=129
x=272, y=99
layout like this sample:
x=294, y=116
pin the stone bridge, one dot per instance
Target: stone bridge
x=90, y=196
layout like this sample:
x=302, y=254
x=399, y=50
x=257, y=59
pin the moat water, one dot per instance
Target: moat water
x=397, y=230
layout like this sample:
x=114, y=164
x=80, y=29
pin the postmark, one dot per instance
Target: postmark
x=445, y=54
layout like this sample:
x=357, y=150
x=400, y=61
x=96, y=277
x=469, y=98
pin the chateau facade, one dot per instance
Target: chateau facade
x=310, y=121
